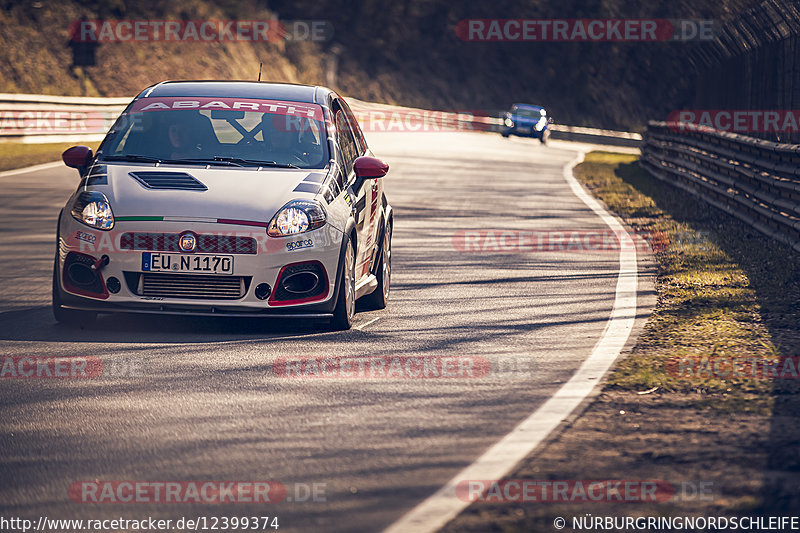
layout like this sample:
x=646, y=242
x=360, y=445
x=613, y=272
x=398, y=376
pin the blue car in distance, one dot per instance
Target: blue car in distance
x=526, y=120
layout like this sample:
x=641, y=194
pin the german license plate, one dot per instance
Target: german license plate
x=187, y=263
x=524, y=130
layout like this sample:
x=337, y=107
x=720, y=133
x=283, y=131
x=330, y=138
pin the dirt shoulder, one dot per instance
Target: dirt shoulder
x=19, y=155
x=706, y=404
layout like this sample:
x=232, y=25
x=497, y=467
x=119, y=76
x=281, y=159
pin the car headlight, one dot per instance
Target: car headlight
x=298, y=216
x=541, y=124
x=508, y=122
x=92, y=208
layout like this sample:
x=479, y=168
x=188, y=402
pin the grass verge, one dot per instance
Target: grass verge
x=725, y=294
x=19, y=155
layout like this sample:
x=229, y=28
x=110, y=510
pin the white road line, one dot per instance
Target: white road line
x=34, y=168
x=362, y=326
x=441, y=507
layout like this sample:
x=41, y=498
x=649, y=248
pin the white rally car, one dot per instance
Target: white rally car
x=226, y=199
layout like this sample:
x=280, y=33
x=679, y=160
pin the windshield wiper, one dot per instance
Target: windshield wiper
x=216, y=160
x=204, y=161
x=150, y=159
x=254, y=162
x=131, y=157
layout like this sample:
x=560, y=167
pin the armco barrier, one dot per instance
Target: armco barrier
x=756, y=181
x=480, y=122
x=595, y=136
x=32, y=118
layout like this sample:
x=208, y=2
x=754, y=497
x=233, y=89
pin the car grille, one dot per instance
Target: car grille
x=206, y=244
x=188, y=286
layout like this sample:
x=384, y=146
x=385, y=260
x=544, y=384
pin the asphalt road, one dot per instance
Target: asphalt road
x=197, y=399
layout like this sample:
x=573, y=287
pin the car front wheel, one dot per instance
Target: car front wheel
x=346, y=302
x=378, y=298
x=545, y=138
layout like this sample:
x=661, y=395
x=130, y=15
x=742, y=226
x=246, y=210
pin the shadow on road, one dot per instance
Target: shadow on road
x=37, y=324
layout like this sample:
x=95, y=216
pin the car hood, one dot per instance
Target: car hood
x=230, y=193
x=520, y=118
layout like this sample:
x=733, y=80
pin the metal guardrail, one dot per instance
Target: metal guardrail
x=595, y=136
x=481, y=122
x=756, y=181
x=31, y=118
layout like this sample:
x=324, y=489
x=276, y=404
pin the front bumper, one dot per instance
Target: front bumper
x=272, y=255
x=525, y=131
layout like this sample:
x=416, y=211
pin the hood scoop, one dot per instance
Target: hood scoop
x=180, y=181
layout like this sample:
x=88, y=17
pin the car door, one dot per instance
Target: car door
x=364, y=194
x=373, y=193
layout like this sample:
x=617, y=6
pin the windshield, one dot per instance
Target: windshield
x=231, y=131
x=526, y=112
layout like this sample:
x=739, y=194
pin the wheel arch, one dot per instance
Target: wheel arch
x=348, y=234
x=388, y=219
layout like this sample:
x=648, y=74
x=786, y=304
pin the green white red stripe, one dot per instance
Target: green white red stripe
x=231, y=221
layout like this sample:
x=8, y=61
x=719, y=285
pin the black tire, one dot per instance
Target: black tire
x=378, y=298
x=70, y=317
x=545, y=138
x=504, y=134
x=346, y=302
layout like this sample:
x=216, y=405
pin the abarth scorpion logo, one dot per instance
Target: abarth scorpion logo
x=188, y=242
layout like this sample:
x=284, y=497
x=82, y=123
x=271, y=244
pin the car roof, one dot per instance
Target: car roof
x=291, y=92
x=528, y=106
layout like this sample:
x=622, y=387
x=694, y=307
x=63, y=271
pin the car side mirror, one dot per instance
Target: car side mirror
x=367, y=167
x=77, y=157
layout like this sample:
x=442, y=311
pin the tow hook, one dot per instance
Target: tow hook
x=98, y=265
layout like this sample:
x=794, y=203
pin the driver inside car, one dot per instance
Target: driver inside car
x=189, y=135
x=281, y=139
